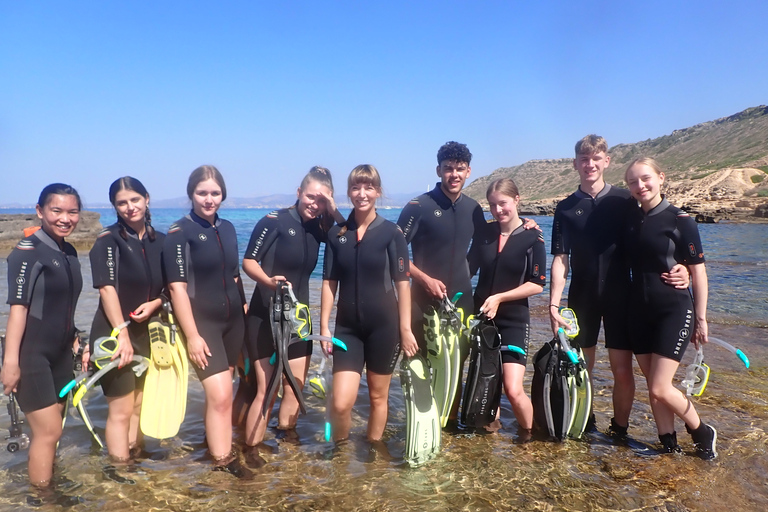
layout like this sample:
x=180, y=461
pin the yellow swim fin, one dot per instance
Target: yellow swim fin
x=165, y=388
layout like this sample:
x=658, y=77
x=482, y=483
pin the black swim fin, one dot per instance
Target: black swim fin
x=482, y=393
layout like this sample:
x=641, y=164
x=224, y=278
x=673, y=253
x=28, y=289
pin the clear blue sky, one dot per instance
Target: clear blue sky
x=90, y=91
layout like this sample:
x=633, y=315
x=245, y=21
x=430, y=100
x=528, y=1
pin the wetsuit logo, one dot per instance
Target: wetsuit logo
x=180, y=261
x=684, y=333
x=202, y=237
x=342, y=239
x=400, y=264
x=20, y=280
x=579, y=212
x=535, y=270
x=438, y=213
x=259, y=242
x=111, y=263
x=292, y=232
x=692, y=249
x=56, y=263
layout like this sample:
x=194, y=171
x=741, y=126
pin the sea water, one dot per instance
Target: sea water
x=473, y=472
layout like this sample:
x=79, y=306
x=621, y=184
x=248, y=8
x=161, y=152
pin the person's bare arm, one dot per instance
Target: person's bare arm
x=558, y=278
x=14, y=331
x=700, y=297
x=525, y=290
x=434, y=287
x=111, y=304
x=182, y=308
x=327, y=297
x=407, y=339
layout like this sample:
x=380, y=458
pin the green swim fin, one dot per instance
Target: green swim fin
x=439, y=359
x=423, y=433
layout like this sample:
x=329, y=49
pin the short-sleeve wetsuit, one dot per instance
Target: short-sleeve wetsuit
x=134, y=268
x=662, y=317
x=522, y=259
x=47, y=280
x=367, y=318
x=589, y=231
x=440, y=232
x=205, y=257
x=284, y=245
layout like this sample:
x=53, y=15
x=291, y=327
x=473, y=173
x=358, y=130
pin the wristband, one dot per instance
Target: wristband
x=554, y=306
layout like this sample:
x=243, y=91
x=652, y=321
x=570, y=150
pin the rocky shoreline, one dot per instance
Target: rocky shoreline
x=12, y=227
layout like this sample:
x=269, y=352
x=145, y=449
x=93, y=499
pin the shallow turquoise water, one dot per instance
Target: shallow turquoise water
x=473, y=472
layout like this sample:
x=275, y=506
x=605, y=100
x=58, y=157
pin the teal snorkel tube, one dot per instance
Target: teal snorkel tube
x=730, y=348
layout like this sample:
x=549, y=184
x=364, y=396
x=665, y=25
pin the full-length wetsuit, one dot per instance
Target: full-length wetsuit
x=522, y=259
x=662, y=317
x=367, y=318
x=440, y=232
x=134, y=267
x=47, y=280
x=284, y=245
x=589, y=230
x=205, y=257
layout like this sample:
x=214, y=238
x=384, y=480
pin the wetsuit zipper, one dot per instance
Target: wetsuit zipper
x=147, y=270
x=223, y=270
x=70, y=327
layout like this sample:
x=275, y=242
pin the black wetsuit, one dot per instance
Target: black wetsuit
x=284, y=245
x=48, y=281
x=589, y=230
x=205, y=257
x=523, y=259
x=135, y=269
x=367, y=318
x=440, y=233
x=662, y=317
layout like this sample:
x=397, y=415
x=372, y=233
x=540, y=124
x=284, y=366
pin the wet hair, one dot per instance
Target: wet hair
x=454, y=151
x=591, y=144
x=322, y=176
x=505, y=186
x=134, y=185
x=202, y=173
x=365, y=174
x=58, y=189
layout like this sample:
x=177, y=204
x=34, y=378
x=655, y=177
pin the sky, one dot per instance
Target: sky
x=93, y=90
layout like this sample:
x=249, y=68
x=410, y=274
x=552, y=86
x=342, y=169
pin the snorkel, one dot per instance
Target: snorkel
x=727, y=346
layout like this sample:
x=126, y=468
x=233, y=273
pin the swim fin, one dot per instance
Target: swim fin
x=423, y=434
x=482, y=392
x=439, y=359
x=550, y=392
x=165, y=387
x=582, y=391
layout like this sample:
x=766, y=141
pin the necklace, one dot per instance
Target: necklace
x=505, y=234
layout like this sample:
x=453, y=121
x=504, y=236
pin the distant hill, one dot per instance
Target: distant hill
x=714, y=150
x=282, y=201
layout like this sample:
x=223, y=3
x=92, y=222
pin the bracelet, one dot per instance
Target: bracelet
x=554, y=306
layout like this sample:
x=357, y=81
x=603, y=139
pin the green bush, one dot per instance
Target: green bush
x=757, y=178
x=762, y=193
x=764, y=168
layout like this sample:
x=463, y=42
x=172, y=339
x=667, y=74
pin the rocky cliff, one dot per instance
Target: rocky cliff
x=716, y=170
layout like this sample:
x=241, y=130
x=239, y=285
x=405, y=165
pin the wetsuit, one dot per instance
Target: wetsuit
x=440, y=233
x=284, y=245
x=589, y=230
x=134, y=267
x=522, y=259
x=662, y=318
x=47, y=280
x=367, y=318
x=205, y=257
